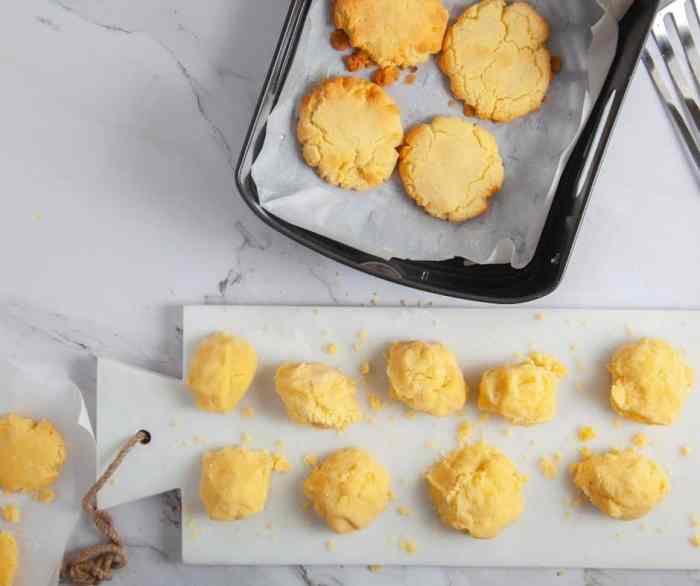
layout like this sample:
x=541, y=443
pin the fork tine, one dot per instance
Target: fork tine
x=690, y=12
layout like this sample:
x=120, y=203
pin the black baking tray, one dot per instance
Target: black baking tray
x=495, y=283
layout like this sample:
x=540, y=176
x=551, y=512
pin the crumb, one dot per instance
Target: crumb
x=248, y=412
x=539, y=316
x=279, y=444
x=640, y=440
x=365, y=368
x=268, y=525
x=403, y=511
x=617, y=422
x=484, y=417
x=572, y=347
x=557, y=457
x=408, y=546
x=567, y=515
x=11, y=514
x=374, y=568
x=549, y=467
x=199, y=440
x=307, y=505
x=468, y=110
x=375, y=401
x=579, y=387
x=410, y=79
x=280, y=463
x=44, y=495
x=370, y=419
x=508, y=432
x=430, y=444
x=685, y=451
x=694, y=520
x=409, y=414
x=463, y=432
x=385, y=76
x=555, y=63
x=452, y=103
x=586, y=433
x=695, y=540
x=585, y=452
x=339, y=40
x=311, y=460
x=330, y=545
x=330, y=348
x=579, y=365
x=246, y=438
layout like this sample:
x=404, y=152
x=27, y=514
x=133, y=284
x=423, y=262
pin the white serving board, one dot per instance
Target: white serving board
x=284, y=533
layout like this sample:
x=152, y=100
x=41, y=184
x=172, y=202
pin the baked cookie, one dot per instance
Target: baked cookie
x=451, y=167
x=650, y=381
x=496, y=59
x=393, y=32
x=349, y=130
x=477, y=489
x=622, y=484
x=8, y=558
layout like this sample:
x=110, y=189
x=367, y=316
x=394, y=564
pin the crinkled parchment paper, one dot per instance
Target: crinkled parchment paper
x=386, y=223
x=45, y=528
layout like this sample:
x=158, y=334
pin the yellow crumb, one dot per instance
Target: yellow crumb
x=370, y=419
x=617, y=422
x=694, y=520
x=640, y=440
x=248, y=412
x=430, y=444
x=374, y=568
x=685, y=450
x=280, y=463
x=695, y=540
x=279, y=444
x=549, y=467
x=484, y=417
x=408, y=546
x=464, y=431
x=507, y=432
x=557, y=457
x=403, y=511
x=44, y=495
x=246, y=438
x=579, y=365
x=307, y=505
x=330, y=545
x=585, y=452
x=567, y=515
x=586, y=433
x=539, y=316
x=11, y=514
x=365, y=368
x=311, y=460
x=409, y=414
x=330, y=348
x=375, y=401
x=198, y=439
x=580, y=387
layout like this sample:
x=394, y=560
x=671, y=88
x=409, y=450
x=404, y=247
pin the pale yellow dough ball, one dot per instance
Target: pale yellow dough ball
x=32, y=454
x=650, y=381
x=221, y=372
x=524, y=393
x=349, y=489
x=8, y=559
x=477, y=489
x=235, y=482
x=623, y=484
x=426, y=377
x=318, y=395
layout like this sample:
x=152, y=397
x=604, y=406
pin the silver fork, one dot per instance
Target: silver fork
x=682, y=99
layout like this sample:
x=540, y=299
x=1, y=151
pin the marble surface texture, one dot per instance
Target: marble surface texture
x=121, y=122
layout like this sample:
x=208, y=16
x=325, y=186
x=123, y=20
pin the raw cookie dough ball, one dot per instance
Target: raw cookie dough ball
x=318, y=395
x=496, y=59
x=623, y=484
x=221, y=372
x=426, y=377
x=524, y=393
x=349, y=130
x=477, y=489
x=348, y=489
x=393, y=33
x=451, y=168
x=32, y=454
x=8, y=559
x=650, y=381
x=235, y=482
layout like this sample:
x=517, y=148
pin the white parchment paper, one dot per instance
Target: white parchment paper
x=44, y=529
x=384, y=222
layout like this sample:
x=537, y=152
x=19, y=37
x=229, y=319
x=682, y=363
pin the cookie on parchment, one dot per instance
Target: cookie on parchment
x=350, y=130
x=393, y=32
x=451, y=167
x=496, y=59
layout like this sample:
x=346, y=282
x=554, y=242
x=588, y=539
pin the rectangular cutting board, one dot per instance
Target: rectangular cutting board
x=551, y=532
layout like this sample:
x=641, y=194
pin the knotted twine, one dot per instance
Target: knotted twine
x=93, y=565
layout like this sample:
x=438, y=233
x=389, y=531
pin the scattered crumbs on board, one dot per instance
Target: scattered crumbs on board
x=374, y=568
x=199, y=440
x=464, y=431
x=685, y=450
x=539, y=316
x=331, y=348
x=330, y=545
x=568, y=515
x=44, y=495
x=339, y=40
x=549, y=466
x=484, y=417
x=403, y=511
x=246, y=438
x=508, y=432
x=375, y=401
x=585, y=452
x=586, y=433
x=11, y=514
x=409, y=414
x=365, y=368
x=430, y=444
x=280, y=463
x=408, y=545
x=248, y=412
x=695, y=540
x=311, y=459
x=694, y=520
x=640, y=440
x=279, y=444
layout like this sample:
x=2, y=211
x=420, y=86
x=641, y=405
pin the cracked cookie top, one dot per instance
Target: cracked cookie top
x=496, y=59
x=349, y=130
x=451, y=168
x=393, y=32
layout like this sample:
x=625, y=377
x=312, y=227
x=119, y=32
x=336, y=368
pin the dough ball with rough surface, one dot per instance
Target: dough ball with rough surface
x=8, y=558
x=350, y=130
x=318, y=395
x=477, y=489
x=235, y=482
x=221, y=371
x=426, y=377
x=348, y=489
x=623, y=484
x=496, y=59
x=32, y=454
x=524, y=393
x=650, y=381
x=392, y=32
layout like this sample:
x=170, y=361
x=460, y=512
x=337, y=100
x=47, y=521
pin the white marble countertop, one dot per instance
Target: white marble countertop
x=121, y=122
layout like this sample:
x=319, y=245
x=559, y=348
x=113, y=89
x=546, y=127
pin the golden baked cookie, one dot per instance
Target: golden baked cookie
x=623, y=484
x=349, y=489
x=235, y=482
x=8, y=558
x=349, y=130
x=318, y=395
x=496, y=59
x=221, y=371
x=451, y=167
x=524, y=393
x=477, y=489
x=426, y=377
x=32, y=454
x=393, y=32
x=650, y=381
